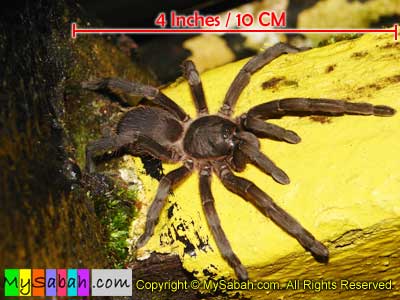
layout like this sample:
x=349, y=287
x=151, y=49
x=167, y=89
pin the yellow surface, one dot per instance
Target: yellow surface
x=208, y=51
x=345, y=174
x=346, y=14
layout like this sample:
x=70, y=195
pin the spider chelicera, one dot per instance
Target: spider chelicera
x=217, y=144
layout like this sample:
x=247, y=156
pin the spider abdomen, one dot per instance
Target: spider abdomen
x=153, y=122
x=209, y=137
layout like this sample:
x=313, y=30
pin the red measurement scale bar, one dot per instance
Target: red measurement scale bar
x=75, y=30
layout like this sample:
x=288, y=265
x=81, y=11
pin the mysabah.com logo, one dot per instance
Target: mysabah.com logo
x=67, y=282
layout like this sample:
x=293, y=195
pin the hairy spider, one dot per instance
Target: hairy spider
x=217, y=143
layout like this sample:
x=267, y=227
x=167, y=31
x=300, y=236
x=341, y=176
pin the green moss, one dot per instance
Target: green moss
x=115, y=209
x=87, y=112
x=88, y=116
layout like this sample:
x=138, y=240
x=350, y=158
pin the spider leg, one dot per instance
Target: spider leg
x=307, y=106
x=196, y=87
x=164, y=188
x=113, y=143
x=103, y=145
x=243, y=77
x=214, y=223
x=118, y=85
x=264, y=163
x=267, y=130
x=250, y=192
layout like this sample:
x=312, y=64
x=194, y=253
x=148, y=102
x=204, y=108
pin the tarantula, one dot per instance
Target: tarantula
x=217, y=143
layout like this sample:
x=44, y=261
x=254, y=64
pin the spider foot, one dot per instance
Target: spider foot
x=143, y=238
x=241, y=273
x=94, y=85
x=291, y=137
x=280, y=176
x=384, y=111
x=319, y=252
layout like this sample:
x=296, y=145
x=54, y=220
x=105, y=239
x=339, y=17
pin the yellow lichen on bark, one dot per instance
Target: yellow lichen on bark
x=345, y=175
x=346, y=14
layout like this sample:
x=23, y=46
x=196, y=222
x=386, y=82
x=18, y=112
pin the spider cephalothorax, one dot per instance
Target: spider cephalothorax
x=217, y=144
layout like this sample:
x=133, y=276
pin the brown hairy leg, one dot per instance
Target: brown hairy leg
x=164, y=188
x=250, y=192
x=196, y=87
x=214, y=223
x=242, y=79
x=253, y=119
x=115, y=142
x=309, y=106
x=118, y=85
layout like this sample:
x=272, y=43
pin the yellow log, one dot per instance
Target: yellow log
x=345, y=177
x=346, y=14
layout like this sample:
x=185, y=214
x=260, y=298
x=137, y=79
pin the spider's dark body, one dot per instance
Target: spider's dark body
x=217, y=144
x=204, y=138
